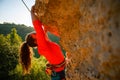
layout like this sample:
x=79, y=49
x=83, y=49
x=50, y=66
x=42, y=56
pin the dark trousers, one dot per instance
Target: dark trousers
x=58, y=75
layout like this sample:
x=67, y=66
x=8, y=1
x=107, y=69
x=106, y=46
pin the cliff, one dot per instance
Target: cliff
x=90, y=31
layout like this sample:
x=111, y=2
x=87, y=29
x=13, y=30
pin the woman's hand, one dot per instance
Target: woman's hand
x=33, y=14
x=33, y=9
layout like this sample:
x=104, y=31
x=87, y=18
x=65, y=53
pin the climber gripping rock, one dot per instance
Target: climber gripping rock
x=50, y=50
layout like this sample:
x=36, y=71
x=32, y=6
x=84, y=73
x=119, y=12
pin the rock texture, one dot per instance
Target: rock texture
x=90, y=32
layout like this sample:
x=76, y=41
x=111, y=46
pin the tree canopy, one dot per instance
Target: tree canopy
x=22, y=30
x=9, y=49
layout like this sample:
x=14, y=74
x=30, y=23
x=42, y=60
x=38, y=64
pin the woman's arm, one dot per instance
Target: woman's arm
x=40, y=34
x=53, y=30
x=33, y=15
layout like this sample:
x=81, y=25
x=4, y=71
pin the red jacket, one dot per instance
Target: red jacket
x=48, y=49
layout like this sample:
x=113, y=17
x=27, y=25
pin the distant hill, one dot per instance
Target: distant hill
x=22, y=29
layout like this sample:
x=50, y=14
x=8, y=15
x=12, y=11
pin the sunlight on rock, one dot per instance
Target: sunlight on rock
x=89, y=30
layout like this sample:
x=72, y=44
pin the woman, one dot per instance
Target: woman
x=50, y=50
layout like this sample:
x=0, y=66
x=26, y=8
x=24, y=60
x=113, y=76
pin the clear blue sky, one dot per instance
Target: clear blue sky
x=14, y=11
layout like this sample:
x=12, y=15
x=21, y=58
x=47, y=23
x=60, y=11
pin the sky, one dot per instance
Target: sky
x=14, y=11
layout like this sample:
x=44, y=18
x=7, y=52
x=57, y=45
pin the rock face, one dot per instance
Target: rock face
x=90, y=32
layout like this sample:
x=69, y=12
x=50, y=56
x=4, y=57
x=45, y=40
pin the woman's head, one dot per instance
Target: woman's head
x=31, y=39
x=25, y=51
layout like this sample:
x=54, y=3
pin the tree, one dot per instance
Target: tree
x=9, y=49
x=14, y=38
x=22, y=30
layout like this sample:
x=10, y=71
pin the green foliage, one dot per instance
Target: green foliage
x=22, y=30
x=10, y=42
x=9, y=67
x=37, y=71
x=14, y=38
x=8, y=53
